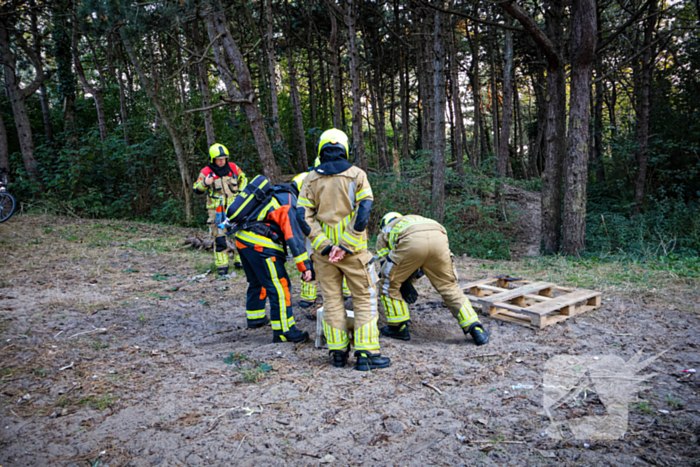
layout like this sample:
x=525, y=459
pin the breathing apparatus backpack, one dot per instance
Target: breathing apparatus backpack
x=243, y=212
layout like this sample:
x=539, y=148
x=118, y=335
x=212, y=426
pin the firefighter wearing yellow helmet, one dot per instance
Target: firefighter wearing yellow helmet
x=221, y=180
x=409, y=247
x=336, y=198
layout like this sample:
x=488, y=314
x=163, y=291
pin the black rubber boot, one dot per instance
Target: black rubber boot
x=237, y=265
x=367, y=361
x=223, y=270
x=340, y=357
x=293, y=335
x=306, y=304
x=397, y=332
x=478, y=333
x=258, y=323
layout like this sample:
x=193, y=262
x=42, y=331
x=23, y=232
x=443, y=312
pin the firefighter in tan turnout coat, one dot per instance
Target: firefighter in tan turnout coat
x=336, y=200
x=408, y=245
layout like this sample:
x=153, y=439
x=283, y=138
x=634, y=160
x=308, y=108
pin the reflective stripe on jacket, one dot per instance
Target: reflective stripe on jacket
x=279, y=216
x=336, y=209
x=391, y=235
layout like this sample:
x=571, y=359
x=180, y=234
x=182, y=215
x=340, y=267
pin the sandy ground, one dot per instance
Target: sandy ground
x=113, y=353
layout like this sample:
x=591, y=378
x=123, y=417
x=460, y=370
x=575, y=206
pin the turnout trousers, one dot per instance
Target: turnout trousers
x=267, y=278
x=221, y=250
x=430, y=251
x=361, y=280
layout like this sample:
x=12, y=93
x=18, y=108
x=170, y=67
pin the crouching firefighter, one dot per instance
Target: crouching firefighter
x=337, y=199
x=221, y=180
x=264, y=220
x=410, y=247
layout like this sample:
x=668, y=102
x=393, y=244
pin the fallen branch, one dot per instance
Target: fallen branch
x=66, y=367
x=205, y=244
x=427, y=384
x=484, y=355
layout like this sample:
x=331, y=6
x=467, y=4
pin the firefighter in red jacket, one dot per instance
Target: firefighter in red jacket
x=221, y=180
x=261, y=243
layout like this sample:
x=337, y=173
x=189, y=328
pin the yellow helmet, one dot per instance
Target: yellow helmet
x=331, y=138
x=317, y=162
x=217, y=150
x=388, y=218
x=298, y=181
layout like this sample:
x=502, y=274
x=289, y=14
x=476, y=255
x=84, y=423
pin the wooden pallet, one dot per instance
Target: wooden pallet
x=533, y=304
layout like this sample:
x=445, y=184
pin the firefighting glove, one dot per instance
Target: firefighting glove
x=417, y=274
x=408, y=292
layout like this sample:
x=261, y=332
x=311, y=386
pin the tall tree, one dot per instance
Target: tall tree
x=504, y=143
x=437, y=198
x=582, y=52
x=358, y=139
x=95, y=90
x=272, y=71
x=457, y=105
x=4, y=148
x=18, y=94
x=245, y=94
x=550, y=45
x=643, y=105
x=175, y=136
x=298, y=133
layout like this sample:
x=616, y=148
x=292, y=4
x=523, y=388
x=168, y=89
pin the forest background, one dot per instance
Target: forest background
x=110, y=106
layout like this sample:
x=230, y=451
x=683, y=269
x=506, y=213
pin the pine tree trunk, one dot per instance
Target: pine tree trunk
x=644, y=108
x=583, y=43
x=122, y=102
x=18, y=98
x=246, y=96
x=598, y=122
x=175, y=137
x=379, y=121
x=358, y=140
x=475, y=79
x=405, y=104
x=312, y=85
x=45, y=109
x=392, y=113
x=299, y=136
x=335, y=71
x=272, y=72
x=4, y=148
x=95, y=91
x=203, y=85
x=504, y=142
x=520, y=137
x=458, y=126
x=494, y=91
x=437, y=198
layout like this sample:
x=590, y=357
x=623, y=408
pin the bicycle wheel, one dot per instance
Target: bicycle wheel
x=7, y=206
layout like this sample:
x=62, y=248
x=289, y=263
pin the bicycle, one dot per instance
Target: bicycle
x=7, y=201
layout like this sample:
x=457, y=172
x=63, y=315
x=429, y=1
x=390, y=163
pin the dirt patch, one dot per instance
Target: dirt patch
x=115, y=350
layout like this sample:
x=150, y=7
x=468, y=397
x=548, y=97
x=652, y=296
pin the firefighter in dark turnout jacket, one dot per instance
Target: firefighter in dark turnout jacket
x=261, y=244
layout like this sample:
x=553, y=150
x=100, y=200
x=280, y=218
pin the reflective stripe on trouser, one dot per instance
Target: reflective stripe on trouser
x=267, y=278
x=346, y=291
x=430, y=251
x=308, y=291
x=221, y=258
x=362, y=284
x=396, y=310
